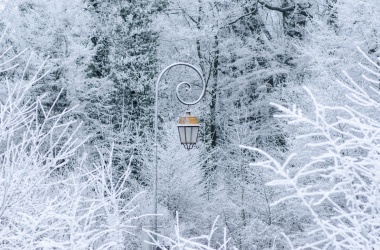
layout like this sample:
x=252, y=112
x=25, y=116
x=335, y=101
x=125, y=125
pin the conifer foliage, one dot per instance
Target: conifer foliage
x=119, y=95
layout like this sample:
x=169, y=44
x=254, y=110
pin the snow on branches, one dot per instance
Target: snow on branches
x=337, y=179
x=49, y=198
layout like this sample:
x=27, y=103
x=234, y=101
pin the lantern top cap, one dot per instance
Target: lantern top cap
x=188, y=120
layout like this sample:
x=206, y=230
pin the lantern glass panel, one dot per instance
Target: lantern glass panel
x=194, y=135
x=182, y=136
x=188, y=133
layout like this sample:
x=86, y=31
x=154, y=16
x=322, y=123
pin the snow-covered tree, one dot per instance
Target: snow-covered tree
x=58, y=30
x=119, y=89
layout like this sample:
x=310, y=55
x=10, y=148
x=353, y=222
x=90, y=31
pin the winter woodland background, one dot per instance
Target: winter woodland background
x=288, y=155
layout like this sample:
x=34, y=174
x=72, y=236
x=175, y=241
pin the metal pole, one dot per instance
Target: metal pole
x=156, y=121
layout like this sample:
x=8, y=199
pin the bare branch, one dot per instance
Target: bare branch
x=241, y=17
x=280, y=9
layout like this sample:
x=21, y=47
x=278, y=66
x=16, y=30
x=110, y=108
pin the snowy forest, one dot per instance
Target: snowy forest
x=288, y=152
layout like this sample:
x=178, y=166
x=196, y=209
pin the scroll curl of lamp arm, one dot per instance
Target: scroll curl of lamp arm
x=182, y=83
x=188, y=85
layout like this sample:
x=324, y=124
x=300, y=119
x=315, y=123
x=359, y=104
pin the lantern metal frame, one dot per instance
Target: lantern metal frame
x=181, y=84
x=188, y=128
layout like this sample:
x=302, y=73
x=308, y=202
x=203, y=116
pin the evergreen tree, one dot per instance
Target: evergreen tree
x=121, y=76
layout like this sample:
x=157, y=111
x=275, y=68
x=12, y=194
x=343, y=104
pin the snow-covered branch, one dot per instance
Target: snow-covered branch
x=339, y=184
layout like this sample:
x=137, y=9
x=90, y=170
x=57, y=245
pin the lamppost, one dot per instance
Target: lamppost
x=188, y=125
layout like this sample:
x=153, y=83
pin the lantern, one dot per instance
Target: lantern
x=188, y=127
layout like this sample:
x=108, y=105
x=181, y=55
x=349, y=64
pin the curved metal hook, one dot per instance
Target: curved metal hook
x=186, y=83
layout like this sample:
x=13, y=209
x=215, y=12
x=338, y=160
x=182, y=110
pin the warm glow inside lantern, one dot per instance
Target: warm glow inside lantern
x=188, y=127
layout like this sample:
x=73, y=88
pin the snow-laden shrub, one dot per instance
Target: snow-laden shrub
x=336, y=175
x=49, y=197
